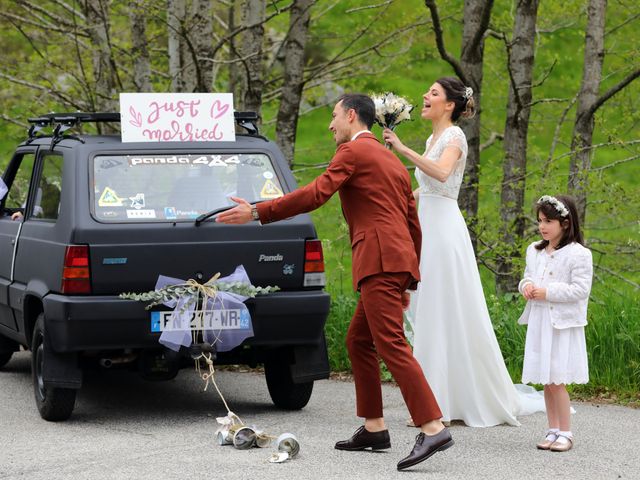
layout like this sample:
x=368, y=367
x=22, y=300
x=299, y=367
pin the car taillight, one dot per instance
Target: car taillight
x=313, y=264
x=76, y=275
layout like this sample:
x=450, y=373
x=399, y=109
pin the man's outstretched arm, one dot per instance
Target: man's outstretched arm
x=302, y=200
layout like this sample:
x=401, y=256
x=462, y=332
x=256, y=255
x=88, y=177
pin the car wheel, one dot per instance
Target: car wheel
x=284, y=393
x=54, y=404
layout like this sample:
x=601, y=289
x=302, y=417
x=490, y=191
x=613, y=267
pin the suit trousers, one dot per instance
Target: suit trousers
x=377, y=329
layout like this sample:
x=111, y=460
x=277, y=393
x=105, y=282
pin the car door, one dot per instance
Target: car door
x=17, y=178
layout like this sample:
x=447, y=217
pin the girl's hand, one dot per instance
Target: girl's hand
x=391, y=139
x=539, y=293
x=527, y=291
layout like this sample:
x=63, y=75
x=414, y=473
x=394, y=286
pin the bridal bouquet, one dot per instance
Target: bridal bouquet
x=391, y=109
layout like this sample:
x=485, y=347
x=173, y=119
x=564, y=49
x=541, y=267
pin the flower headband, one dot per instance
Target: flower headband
x=557, y=204
x=468, y=93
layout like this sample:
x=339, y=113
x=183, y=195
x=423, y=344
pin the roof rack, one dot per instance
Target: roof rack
x=248, y=121
x=64, y=121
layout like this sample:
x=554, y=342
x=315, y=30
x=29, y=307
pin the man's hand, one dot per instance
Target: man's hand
x=17, y=216
x=405, y=300
x=239, y=214
x=539, y=293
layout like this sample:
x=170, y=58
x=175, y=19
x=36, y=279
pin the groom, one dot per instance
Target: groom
x=379, y=207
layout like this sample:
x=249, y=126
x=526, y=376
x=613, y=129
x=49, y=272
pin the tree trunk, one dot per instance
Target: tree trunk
x=104, y=71
x=176, y=11
x=287, y=120
x=581, y=152
x=253, y=13
x=139, y=50
x=521, y=59
x=476, y=21
x=237, y=79
x=201, y=32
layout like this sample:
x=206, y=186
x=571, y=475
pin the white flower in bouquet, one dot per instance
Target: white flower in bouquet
x=391, y=109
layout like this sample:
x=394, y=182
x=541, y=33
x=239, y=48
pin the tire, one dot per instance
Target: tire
x=54, y=404
x=284, y=393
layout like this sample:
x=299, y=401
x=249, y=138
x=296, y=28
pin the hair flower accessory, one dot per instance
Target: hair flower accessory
x=468, y=93
x=557, y=204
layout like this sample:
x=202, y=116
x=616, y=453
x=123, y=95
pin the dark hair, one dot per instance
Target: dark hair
x=455, y=91
x=570, y=222
x=362, y=105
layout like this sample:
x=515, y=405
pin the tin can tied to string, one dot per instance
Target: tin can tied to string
x=288, y=447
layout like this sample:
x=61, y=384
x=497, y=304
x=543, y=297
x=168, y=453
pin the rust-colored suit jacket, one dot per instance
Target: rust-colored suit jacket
x=377, y=202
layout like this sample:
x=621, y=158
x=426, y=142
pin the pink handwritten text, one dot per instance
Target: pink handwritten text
x=183, y=133
x=179, y=108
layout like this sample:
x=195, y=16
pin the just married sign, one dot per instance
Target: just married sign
x=177, y=117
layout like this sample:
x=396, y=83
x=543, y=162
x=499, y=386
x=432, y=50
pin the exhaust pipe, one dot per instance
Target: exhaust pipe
x=106, y=362
x=110, y=362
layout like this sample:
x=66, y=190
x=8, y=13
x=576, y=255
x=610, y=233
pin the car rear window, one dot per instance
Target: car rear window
x=156, y=188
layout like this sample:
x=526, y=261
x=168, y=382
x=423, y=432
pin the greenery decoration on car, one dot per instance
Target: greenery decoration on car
x=194, y=289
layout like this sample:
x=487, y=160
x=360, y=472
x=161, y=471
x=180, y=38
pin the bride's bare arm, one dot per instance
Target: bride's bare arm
x=440, y=169
x=416, y=194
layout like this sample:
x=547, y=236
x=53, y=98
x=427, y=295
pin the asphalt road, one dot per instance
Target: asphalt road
x=124, y=427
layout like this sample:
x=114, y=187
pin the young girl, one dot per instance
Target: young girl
x=556, y=283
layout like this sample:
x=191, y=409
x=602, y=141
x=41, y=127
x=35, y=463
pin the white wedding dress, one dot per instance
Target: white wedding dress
x=453, y=338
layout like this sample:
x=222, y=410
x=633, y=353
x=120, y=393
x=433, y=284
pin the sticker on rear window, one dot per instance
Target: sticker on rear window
x=206, y=160
x=141, y=214
x=270, y=190
x=170, y=213
x=137, y=201
x=109, y=198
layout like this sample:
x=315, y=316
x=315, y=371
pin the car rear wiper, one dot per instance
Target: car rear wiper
x=210, y=214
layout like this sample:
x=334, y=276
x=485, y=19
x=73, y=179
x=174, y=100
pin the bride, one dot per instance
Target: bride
x=454, y=341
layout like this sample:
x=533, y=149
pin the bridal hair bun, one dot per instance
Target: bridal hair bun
x=461, y=95
x=470, y=105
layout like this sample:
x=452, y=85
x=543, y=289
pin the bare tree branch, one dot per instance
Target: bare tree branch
x=369, y=7
x=546, y=74
x=613, y=90
x=482, y=28
x=618, y=276
x=493, y=138
x=43, y=26
x=437, y=29
x=40, y=88
x=620, y=25
x=547, y=100
x=13, y=120
x=31, y=7
x=616, y=163
x=556, y=135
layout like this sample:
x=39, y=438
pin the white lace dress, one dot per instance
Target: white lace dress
x=453, y=336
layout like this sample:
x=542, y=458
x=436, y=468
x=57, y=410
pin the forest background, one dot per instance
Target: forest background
x=556, y=84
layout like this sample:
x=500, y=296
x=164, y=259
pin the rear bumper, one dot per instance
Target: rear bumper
x=77, y=323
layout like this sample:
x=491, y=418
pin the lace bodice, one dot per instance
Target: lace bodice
x=452, y=137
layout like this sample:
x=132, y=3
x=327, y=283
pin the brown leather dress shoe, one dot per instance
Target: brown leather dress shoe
x=426, y=445
x=363, y=439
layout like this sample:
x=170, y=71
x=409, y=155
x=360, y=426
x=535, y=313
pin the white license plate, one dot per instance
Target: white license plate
x=230, y=319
